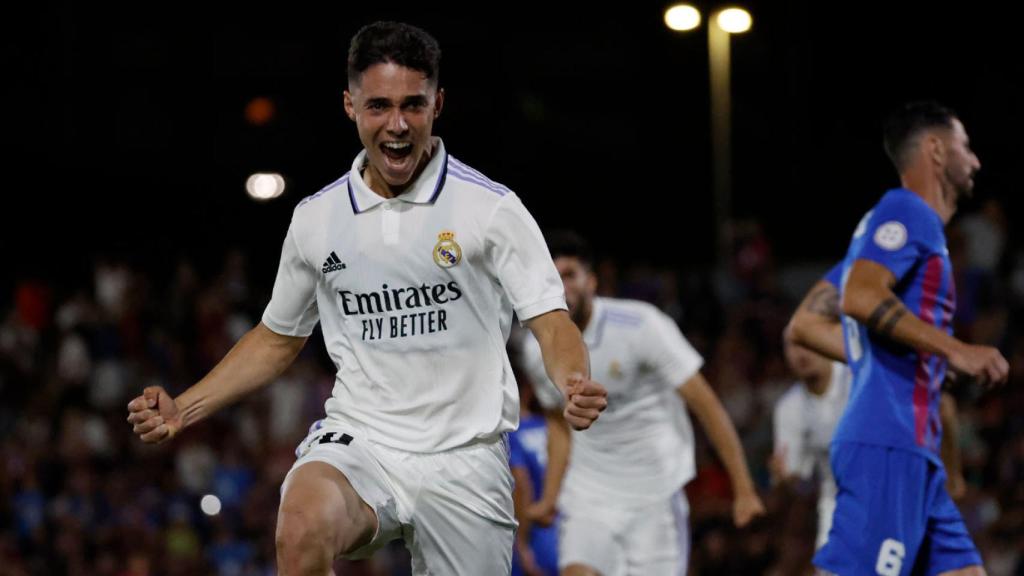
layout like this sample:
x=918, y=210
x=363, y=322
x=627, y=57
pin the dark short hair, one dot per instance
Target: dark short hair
x=395, y=42
x=570, y=244
x=904, y=125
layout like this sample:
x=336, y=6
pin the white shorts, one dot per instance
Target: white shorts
x=453, y=509
x=618, y=540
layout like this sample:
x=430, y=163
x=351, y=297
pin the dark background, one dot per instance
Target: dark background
x=132, y=256
x=126, y=134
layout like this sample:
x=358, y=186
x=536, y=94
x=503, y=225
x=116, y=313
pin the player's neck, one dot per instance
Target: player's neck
x=938, y=195
x=374, y=181
x=818, y=383
x=586, y=312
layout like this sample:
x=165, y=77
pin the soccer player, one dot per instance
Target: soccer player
x=621, y=503
x=893, y=514
x=803, y=422
x=817, y=325
x=413, y=263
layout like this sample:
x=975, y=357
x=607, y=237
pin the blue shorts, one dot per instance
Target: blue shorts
x=893, y=516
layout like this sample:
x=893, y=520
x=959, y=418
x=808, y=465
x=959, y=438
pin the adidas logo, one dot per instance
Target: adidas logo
x=333, y=264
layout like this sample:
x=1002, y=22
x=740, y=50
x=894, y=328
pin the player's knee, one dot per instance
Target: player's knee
x=579, y=570
x=969, y=571
x=304, y=543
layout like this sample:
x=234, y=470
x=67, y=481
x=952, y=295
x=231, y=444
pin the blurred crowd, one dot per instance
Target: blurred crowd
x=80, y=495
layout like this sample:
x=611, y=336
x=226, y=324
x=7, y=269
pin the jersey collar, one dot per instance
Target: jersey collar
x=425, y=190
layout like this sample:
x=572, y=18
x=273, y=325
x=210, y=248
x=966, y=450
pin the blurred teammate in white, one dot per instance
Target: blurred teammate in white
x=805, y=418
x=622, y=507
x=413, y=263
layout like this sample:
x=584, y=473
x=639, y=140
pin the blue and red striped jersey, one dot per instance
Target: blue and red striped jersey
x=894, y=398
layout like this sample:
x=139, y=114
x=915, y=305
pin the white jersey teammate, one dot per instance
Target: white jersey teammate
x=621, y=502
x=805, y=417
x=413, y=263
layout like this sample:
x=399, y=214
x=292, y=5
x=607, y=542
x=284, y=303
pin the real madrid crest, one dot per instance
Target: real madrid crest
x=615, y=370
x=447, y=252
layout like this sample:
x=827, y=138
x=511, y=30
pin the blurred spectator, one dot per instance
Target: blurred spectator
x=79, y=496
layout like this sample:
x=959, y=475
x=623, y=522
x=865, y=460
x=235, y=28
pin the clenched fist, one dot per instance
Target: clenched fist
x=154, y=415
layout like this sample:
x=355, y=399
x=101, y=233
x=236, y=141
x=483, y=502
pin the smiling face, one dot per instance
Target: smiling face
x=394, y=108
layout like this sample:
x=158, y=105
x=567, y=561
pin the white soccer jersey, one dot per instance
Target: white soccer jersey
x=641, y=448
x=804, y=424
x=415, y=296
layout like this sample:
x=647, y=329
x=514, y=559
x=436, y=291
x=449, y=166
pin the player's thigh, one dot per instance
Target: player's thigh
x=948, y=547
x=590, y=541
x=880, y=517
x=463, y=520
x=318, y=502
x=658, y=538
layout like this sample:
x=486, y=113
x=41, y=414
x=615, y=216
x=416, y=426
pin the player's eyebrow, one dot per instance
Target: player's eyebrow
x=379, y=101
x=417, y=100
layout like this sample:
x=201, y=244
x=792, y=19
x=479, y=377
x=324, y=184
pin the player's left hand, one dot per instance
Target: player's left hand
x=745, y=507
x=585, y=400
x=956, y=485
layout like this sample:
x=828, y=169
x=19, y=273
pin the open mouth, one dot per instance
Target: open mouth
x=396, y=151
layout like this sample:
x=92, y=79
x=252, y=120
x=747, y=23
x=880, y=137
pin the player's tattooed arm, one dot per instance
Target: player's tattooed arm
x=816, y=322
x=823, y=301
x=866, y=298
x=885, y=316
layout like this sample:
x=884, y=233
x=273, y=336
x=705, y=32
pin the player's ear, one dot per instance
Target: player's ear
x=935, y=148
x=350, y=109
x=438, y=102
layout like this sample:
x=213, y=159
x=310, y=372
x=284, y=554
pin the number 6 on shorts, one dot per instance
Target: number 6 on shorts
x=890, y=558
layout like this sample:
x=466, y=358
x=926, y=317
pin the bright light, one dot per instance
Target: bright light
x=210, y=505
x=734, y=20
x=682, y=17
x=264, y=186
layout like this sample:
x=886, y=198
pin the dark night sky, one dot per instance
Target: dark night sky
x=125, y=129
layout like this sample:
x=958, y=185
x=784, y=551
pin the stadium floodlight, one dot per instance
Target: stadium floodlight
x=682, y=17
x=721, y=26
x=264, y=186
x=734, y=20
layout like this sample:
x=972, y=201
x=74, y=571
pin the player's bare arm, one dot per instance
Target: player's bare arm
x=870, y=300
x=521, y=498
x=559, y=447
x=816, y=322
x=255, y=361
x=702, y=400
x=567, y=364
x=956, y=485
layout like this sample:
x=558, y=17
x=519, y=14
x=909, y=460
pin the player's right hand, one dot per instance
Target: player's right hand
x=586, y=400
x=983, y=364
x=541, y=512
x=155, y=416
x=745, y=507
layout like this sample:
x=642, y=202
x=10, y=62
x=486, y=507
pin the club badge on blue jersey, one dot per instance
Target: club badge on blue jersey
x=447, y=252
